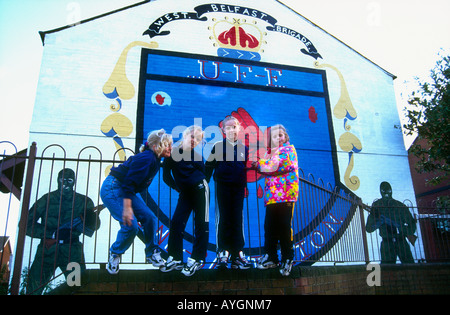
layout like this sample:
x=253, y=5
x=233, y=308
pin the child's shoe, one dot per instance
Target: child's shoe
x=223, y=259
x=265, y=263
x=286, y=267
x=155, y=259
x=113, y=264
x=171, y=264
x=191, y=267
x=240, y=262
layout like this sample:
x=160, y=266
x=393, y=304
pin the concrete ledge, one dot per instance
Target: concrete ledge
x=337, y=280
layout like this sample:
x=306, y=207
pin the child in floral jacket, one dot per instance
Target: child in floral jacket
x=280, y=167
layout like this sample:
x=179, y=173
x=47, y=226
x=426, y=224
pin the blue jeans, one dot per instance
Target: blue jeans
x=112, y=196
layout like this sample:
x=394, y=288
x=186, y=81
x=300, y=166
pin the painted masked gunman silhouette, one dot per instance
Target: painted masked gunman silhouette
x=58, y=218
x=395, y=224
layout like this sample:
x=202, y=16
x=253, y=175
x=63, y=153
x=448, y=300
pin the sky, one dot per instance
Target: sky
x=401, y=36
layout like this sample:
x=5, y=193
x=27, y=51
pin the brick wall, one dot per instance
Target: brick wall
x=335, y=280
x=415, y=279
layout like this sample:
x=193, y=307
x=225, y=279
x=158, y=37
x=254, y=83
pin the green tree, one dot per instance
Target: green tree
x=428, y=116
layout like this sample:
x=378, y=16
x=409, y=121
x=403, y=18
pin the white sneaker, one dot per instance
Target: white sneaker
x=113, y=264
x=240, y=262
x=171, y=264
x=286, y=267
x=155, y=259
x=265, y=263
x=191, y=267
x=223, y=259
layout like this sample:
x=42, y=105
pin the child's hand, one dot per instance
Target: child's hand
x=127, y=216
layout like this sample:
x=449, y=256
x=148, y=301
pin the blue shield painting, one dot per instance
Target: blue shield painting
x=177, y=90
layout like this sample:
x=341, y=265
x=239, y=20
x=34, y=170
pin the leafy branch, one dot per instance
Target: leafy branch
x=428, y=116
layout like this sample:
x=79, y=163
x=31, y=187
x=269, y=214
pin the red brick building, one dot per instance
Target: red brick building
x=434, y=215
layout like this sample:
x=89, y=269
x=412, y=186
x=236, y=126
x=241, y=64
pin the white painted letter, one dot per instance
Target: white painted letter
x=74, y=278
x=374, y=278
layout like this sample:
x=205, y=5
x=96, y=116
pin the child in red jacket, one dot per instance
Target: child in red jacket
x=280, y=167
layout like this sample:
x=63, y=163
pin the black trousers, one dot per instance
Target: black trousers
x=229, y=218
x=394, y=246
x=195, y=198
x=47, y=260
x=278, y=228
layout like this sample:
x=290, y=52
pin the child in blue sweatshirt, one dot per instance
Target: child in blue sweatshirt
x=228, y=161
x=184, y=172
x=119, y=193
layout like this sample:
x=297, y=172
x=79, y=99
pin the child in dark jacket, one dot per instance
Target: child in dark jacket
x=184, y=172
x=119, y=193
x=228, y=161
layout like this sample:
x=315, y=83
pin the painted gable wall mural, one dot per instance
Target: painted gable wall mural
x=169, y=64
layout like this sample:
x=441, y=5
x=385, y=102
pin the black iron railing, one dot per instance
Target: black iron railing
x=329, y=222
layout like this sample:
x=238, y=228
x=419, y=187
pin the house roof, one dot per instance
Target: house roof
x=4, y=241
x=43, y=33
x=12, y=169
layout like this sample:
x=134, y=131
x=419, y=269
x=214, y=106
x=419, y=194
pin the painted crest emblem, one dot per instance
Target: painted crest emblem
x=237, y=39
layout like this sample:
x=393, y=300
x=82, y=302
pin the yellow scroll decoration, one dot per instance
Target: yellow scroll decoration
x=117, y=126
x=120, y=88
x=348, y=142
x=118, y=82
x=344, y=107
x=351, y=144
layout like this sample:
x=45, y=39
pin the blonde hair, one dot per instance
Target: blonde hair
x=194, y=129
x=227, y=118
x=158, y=138
x=276, y=127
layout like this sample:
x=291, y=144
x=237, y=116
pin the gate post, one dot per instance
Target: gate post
x=363, y=231
x=15, y=282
